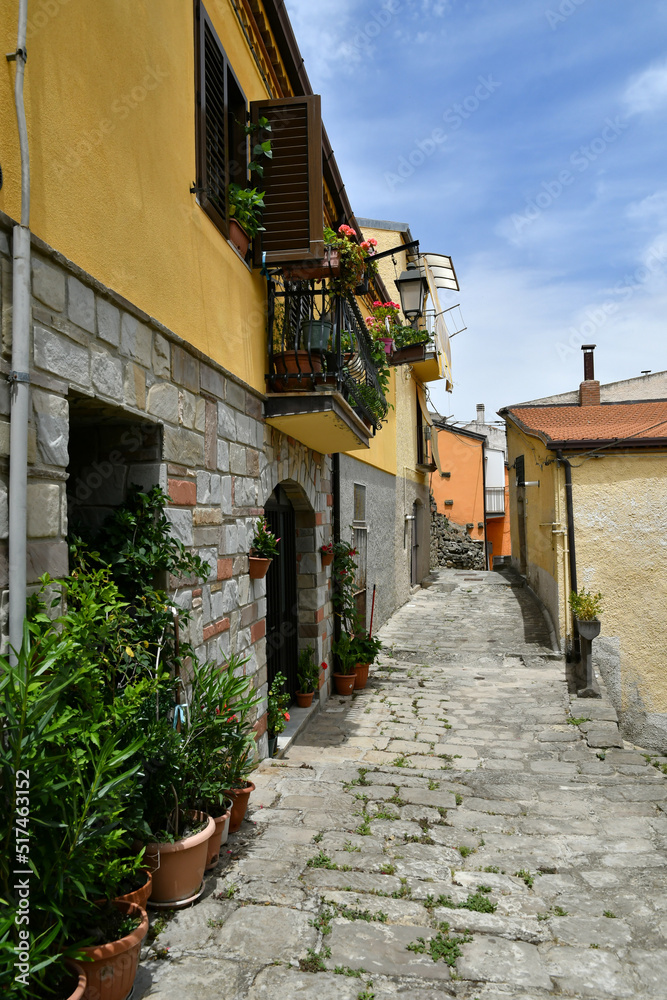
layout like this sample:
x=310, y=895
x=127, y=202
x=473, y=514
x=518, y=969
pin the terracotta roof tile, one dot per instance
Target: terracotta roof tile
x=607, y=422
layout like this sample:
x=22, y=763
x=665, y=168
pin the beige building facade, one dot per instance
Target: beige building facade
x=588, y=500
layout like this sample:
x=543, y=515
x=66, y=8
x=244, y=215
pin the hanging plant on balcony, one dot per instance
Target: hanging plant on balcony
x=384, y=325
x=356, y=259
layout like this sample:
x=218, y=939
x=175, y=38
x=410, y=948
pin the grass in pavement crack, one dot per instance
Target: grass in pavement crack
x=433, y=785
x=366, y=994
x=476, y=901
x=345, y=970
x=364, y=828
x=526, y=876
x=443, y=946
x=314, y=963
x=321, y=860
x=323, y=922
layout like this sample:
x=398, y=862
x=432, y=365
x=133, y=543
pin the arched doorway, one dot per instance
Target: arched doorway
x=415, y=533
x=282, y=618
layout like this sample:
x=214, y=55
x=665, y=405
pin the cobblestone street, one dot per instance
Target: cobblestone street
x=459, y=828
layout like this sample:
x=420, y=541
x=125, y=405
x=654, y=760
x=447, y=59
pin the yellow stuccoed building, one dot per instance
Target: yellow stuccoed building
x=605, y=532
x=163, y=349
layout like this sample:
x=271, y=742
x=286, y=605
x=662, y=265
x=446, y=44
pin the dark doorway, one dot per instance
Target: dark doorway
x=415, y=526
x=282, y=620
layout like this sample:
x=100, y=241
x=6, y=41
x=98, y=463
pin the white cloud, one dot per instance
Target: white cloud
x=647, y=92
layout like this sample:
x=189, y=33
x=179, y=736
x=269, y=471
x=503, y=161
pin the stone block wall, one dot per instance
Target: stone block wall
x=117, y=398
x=451, y=546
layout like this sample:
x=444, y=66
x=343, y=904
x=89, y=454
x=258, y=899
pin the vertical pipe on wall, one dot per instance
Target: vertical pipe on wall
x=335, y=485
x=572, y=556
x=19, y=376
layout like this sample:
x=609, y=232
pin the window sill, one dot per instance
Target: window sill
x=237, y=254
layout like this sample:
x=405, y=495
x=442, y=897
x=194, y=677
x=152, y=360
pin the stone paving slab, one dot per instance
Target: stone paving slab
x=562, y=826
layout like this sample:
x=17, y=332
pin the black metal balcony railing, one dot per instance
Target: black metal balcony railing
x=494, y=501
x=317, y=339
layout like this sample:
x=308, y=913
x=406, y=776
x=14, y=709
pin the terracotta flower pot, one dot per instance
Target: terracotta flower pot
x=81, y=980
x=361, y=675
x=304, y=699
x=238, y=236
x=219, y=837
x=326, y=267
x=112, y=967
x=258, y=567
x=327, y=558
x=139, y=896
x=178, y=868
x=344, y=683
x=239, y=797
x=300, y=366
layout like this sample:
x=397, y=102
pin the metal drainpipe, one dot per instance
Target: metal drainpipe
x=19, y=376
x=335, y=476
x=486, y=543
x=572, y=555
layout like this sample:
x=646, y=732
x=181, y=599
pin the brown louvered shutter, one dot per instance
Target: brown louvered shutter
x=211, y=122
x=293, y=182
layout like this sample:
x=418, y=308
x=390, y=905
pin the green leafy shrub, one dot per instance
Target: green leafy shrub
x=585, y=605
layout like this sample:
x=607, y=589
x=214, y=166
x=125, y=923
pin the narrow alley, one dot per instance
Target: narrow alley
x=459, y=828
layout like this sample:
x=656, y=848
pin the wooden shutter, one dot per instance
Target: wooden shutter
x=211, y=121
x=293, y=180
x=520, y=469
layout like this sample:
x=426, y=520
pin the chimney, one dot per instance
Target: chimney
x=589, y=389
x=480, y=413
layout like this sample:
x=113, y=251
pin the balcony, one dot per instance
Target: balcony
x=494, y=501
x=322, y=385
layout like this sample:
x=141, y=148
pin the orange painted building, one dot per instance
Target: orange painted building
x=472, y=487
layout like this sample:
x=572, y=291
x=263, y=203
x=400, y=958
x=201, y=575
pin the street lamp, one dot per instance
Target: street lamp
x=412, y=288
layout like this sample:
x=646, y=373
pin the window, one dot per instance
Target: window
x=220, y=116
x=421, y=451
x=520, y=469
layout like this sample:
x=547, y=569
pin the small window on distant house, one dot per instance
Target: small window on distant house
x=359, y=503
x=220, y=116
x=520, y=469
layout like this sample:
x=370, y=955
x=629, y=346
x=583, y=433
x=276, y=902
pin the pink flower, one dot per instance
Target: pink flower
x=373, y=242
x=287, y=716
x=377, y=303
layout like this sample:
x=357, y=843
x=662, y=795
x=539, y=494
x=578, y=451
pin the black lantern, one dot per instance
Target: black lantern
x=412, y=288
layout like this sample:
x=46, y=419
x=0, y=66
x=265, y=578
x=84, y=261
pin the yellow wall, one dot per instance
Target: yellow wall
x=620, y=518
x=620, y=506
x=110, y=105
x=544, y=515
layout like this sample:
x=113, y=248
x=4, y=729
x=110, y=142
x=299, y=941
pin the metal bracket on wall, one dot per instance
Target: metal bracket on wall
x=13, y=377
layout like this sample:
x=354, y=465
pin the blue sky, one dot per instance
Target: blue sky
x=526, y=138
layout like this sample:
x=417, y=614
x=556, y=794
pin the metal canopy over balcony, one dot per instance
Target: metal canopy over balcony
x=322, y=384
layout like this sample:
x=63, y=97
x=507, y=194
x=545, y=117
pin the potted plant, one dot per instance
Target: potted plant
x=365, y=649
x=263, y=549
x=344, y=678
x=245, y=202
x=111, y=965
x=239, y=760
x=178, y=859
x=327, y=552
x=245, y=215
x=308, y=677
x=585, y=608
x=277, y=714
